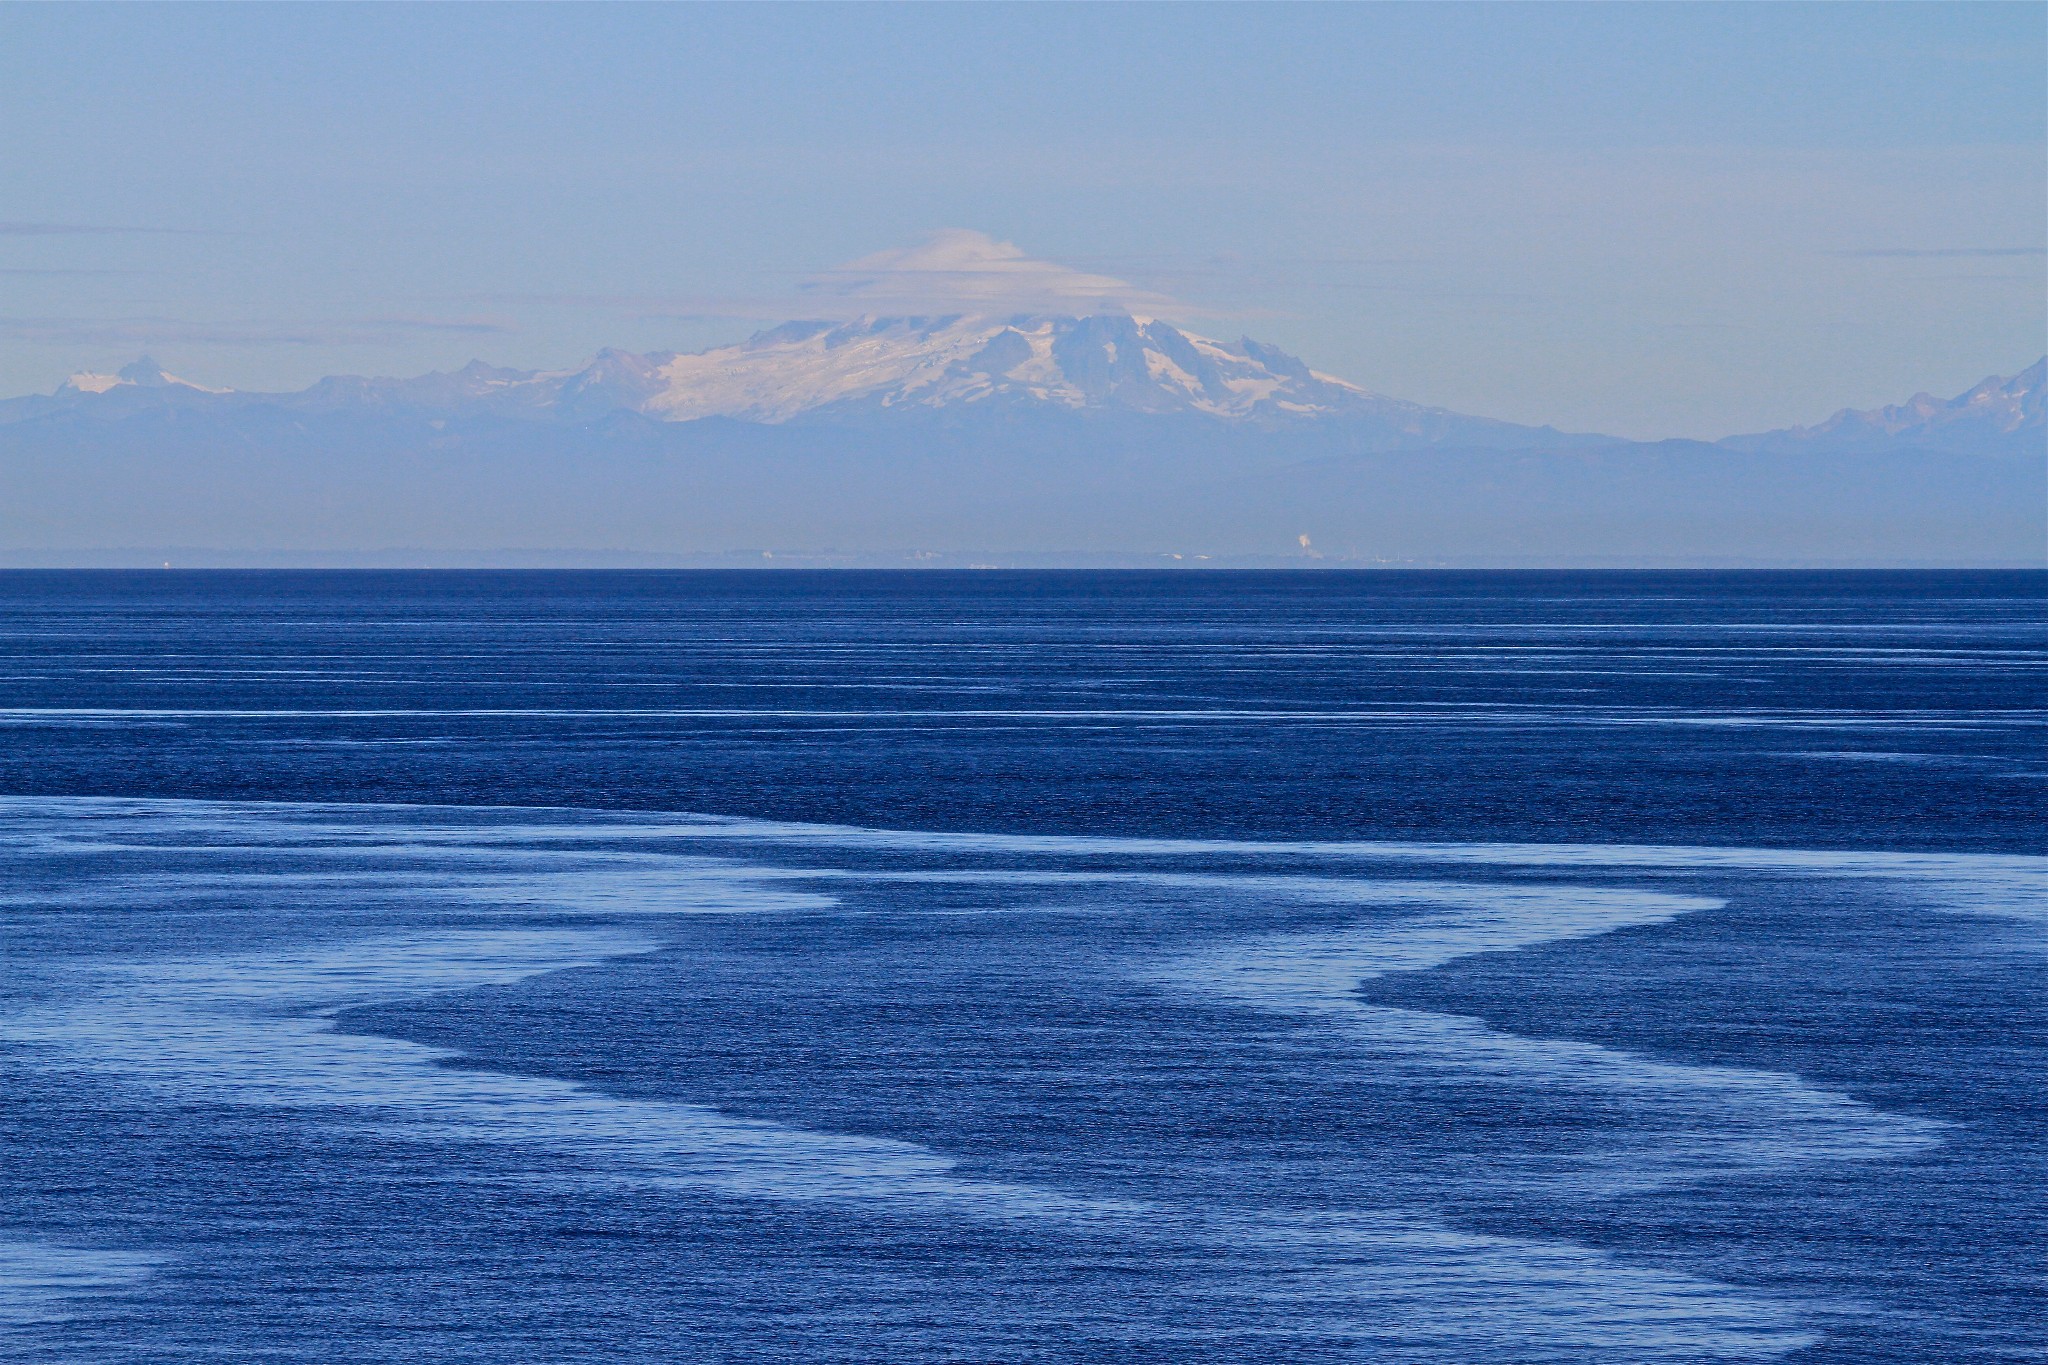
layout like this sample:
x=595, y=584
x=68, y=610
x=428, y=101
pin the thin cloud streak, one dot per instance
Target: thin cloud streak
x=54, y=272
x=1942, y=253
x=177, y=331
x=18, y=228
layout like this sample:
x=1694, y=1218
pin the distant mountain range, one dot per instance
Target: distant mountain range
x=875, y=367
x=855, y=372
x=954, y=435
x=1998, y=415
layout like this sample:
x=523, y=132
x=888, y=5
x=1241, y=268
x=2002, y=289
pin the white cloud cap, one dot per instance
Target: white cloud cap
x=956, y=270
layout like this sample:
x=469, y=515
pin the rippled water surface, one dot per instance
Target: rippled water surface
x=1323, y=967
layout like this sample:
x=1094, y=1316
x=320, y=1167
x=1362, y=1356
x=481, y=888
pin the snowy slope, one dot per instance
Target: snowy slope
x=868, y=367
x=1105, y=360
x=143, y=374
x=1102, y=361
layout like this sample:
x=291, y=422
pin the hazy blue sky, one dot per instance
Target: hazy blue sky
x=1650, y=220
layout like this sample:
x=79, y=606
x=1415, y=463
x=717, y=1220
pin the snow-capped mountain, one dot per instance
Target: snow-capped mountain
x=1074, y=363
x=961, y=360
x=868, y=369
x=965, y=330
x=2000, y=411
x=961, y=396
x=142, y=374
x=974, y=366
x=892, y=438
x=1099, y=361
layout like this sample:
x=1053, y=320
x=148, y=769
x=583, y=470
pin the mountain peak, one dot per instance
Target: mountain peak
x=1998, y=412
x=1057, y=360
x=140, y=373
x=954, y=362
x=1000, y=365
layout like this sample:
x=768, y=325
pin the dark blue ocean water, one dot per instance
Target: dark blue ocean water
x=1454, y=968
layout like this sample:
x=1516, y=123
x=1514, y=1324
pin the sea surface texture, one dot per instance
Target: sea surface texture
x=1448, y=968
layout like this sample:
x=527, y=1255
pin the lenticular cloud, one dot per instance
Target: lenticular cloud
x=959, y=270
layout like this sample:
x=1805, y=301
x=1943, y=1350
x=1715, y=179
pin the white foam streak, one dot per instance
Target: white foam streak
x=1707, y=1120
x=262, y=1028
x=2009, y=885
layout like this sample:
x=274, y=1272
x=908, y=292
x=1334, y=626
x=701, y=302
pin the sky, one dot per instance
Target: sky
x=1648, y=220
